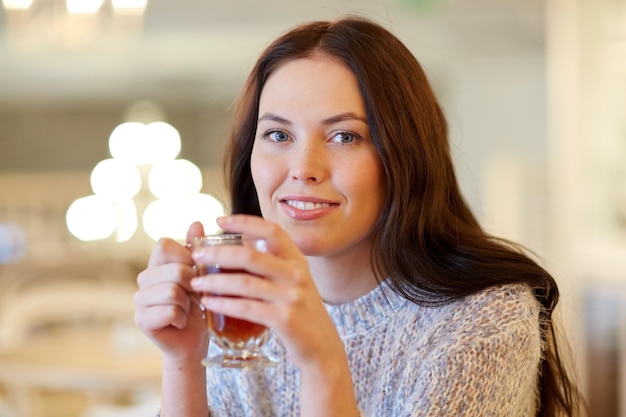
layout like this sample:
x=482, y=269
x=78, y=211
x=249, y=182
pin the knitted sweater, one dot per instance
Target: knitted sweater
x=478, y=356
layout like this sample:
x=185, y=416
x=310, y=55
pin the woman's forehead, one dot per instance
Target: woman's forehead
x=313, y=81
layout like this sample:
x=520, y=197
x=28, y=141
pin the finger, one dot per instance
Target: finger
x=241, y=285
x=154, y=319
x=164, y=295
x=177, y=273
x=229, y=256
x=278, y=242
x=232, y=258
x=246, y=309
x=195, y=230
x=167, y=250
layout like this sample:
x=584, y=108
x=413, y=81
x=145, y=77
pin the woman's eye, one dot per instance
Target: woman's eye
x=344, y=137
x=277, y=136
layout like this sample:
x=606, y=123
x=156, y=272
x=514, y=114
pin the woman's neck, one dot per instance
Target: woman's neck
x=342, y=278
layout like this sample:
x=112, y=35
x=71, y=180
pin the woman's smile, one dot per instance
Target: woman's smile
x=307, y=208
x=306, y=205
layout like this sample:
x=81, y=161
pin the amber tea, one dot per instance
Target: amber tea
x=240, y=340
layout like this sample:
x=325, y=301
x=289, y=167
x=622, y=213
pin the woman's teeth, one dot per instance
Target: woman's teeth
x=306, y=205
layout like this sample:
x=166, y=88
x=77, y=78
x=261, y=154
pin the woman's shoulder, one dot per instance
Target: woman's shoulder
x=502, y=301
x=484, y=349
x=502, y=308
x=503, y=311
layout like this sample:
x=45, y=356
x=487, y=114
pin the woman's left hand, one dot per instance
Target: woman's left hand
x=285, y=300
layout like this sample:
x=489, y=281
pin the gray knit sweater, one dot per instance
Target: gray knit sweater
x=475, y=357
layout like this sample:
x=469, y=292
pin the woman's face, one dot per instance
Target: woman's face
x=316, y=171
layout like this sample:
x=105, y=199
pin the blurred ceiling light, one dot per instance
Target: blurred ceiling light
x=83, y=6
x=115, y=180
x=17, y=4
x=205, y=209
x=126, y=142
x=129, y=7
x=172, y=217
x=139, y=144
x=92, y=218
x=144, y=157
x=162, y=142
x=172, y=179
x=69, y=24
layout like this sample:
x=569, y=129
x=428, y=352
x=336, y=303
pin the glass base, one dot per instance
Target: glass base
x=240, y=360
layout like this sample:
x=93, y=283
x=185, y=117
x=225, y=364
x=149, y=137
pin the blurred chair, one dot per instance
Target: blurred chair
x=71, y=329
x=54, y=298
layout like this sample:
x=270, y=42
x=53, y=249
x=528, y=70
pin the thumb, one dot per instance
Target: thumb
x=195, y=230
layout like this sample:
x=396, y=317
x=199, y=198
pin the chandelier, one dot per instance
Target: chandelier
x=71, y=22
x=143, y=183
x=121, y=7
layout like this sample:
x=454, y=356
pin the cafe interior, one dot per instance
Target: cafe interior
x=113, y=118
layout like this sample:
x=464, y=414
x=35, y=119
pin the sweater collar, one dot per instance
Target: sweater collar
x=364, y=313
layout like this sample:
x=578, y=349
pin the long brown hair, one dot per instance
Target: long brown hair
x=427, y=242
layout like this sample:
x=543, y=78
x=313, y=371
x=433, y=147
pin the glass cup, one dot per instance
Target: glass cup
x=240, y=340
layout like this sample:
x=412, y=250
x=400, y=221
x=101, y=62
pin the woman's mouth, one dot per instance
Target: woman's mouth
x=307, y=209
x=306, y=205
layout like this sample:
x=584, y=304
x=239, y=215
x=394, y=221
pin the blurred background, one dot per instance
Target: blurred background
x=107, y=107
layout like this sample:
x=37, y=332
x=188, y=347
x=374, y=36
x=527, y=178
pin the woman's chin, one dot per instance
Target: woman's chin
x=311, y=247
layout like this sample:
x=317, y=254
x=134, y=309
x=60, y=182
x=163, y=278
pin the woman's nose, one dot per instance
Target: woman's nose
x=308, y=163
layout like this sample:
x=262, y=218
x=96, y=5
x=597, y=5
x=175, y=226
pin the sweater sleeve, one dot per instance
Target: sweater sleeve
x=486, y=366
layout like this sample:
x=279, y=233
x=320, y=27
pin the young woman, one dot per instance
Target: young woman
x=384, y=295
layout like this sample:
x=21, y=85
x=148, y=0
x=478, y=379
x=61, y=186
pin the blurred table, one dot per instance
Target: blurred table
x=82, y=360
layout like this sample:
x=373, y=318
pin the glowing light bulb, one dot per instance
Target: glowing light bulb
x=173, y=179
x=138, y=143
x=162, y=142
x=92, y=218
x=172, y=217
x=17, y=4
x=127, y=143
x=83, y=6
x=115, y=180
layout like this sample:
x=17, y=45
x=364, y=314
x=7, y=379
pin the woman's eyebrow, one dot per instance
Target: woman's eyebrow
x=343, y=117
x=328, y=121
x=274, y=118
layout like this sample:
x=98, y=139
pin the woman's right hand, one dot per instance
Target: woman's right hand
x=166, y=309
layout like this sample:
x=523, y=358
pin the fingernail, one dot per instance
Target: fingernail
x=224, y=220
x=196, y=283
